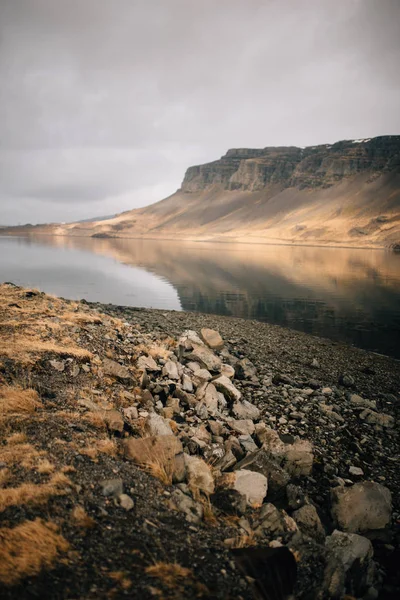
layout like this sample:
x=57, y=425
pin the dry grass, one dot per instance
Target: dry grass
x=4, y=477
x=104, y=446
x=17, y=438
x=15, y=400
x=95, y=419
x=159, y=350
x=24, y=455
x=178, y=580
x=22, y=347
x=160, y=470
x=81, y=318
x=81, y=519
x=45, y=467
x=29, y=548
x=121, y=578
x=34, y=494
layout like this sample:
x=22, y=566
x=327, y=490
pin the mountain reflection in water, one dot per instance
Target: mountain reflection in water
x=344, y=294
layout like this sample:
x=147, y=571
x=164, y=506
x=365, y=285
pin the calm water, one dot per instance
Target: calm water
x=344, y=294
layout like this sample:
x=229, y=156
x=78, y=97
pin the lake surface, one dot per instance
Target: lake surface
x=344, y=294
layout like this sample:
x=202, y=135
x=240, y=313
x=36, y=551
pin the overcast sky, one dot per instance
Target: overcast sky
x=105, y=103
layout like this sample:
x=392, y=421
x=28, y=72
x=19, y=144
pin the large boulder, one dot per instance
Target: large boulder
x=354, y=554
x=361, y=507
x=309, y=522
x=245, y=410
x=212, y=338
x=205, y=357
x=199, y=475
x=226, y=387
x=250, y=484
x=260, y=462
x=273, y=522
x=296, y=457
x=114, y=369
x=157, y=425
x=147, y=363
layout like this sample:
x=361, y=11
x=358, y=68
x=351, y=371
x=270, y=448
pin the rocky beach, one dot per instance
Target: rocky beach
x=161, y=454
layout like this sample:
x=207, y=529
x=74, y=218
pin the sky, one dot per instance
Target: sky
x=105, y=103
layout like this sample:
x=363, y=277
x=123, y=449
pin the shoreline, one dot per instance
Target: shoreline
x=75, y=400
x=255, y=242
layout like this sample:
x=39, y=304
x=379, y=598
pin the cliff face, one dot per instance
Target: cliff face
x=312, y=167
x=346, y=193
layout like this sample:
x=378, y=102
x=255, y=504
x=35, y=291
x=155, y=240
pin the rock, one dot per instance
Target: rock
x=232, y=444
x=246, y=441
x=187, y=384
x=112, y=487
x=346, y=380
x=199, y=475
x=147, y=363
x=358, y=401
x=245, y=410
x=282, y=378
x=260, y=462
x=230, y=502
x=114, y=369
x=314, y=363
x=242, y=426
x=156, y=425
x=354, y=552
x=131, y=413
x=356, y=471
x=162, y=453
x=226, y=387
x=373, y=418
x=58, y=365
x=295, y=496
x=244, y=369
x=201, y=376
x=193, y=366
x=170, y=370
x=274, y=522
x=211, y=399
x=126, y=502
x=228, y=371
x=75, y=370
x=201, y=411
x=296, y=458
x=193, y=510
x=114, y=420
x=189, y=338
x=226, y=462
x=361, y=507
x=249, y=483
x=309, y=522
x=205, y=357
x=212, y=338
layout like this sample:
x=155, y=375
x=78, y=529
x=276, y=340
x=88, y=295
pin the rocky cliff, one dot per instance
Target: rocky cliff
x=346, y=193
x=315, y=166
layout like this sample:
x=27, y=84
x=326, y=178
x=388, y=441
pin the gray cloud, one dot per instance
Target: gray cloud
x=104, y=104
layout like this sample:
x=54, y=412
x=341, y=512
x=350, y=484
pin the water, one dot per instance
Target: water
x=344, y=294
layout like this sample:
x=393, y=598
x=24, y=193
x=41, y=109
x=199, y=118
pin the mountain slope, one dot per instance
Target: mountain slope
x=345, y=193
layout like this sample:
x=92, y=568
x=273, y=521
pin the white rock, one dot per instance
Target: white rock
x=199, y=475
x=249, y=483
x=245, y=410
x=228, y=371
x=170, y=369
x=156, y=425
x=226, y=387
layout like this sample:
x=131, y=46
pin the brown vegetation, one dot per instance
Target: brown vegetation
x=34, y=494
x=18, y=400
x=28, y=548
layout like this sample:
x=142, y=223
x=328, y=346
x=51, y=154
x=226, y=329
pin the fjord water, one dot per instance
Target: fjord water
x=345, y=294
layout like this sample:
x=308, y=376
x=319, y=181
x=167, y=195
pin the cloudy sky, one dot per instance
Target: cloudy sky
x=105, y=103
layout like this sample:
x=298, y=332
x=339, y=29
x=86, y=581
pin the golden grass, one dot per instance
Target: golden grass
x=45, y=467
x=22, y=347
x=157, y=350
x=121, y=578
x=81, y=318
x=81, y=519
x=16, y=438
x=95, y=419
x=178, y=580
x=17, y=400
x=24, y=455
x=160, y=470
x=103, y=446
x=4, y=477
x=29, y=548
x=34, y=494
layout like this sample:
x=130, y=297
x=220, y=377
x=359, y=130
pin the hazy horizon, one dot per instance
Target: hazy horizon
x=104, y=106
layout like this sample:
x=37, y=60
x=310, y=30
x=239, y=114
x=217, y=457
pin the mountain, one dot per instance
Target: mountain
x=347, y=193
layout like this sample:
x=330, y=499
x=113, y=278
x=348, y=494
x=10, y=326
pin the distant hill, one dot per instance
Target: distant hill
x=347, y=193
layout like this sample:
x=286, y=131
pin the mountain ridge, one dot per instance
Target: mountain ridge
x=346, y=193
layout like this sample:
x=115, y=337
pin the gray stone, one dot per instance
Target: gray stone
x=156, y=425
x=170, y=370
x=192, y=510
x=212, y=338
x=245, y=410
x=114, y=369
x=246, y=441
x=211, y=399
x=242, y=426
x=58, y=365
x=356, y=471
x=147, y=363
x=226, y=387
x=373, y=418
x=244, y=369
x=189, y=338
x=226, y=462
x=361, y=507
x=199, y=475
x=349, y=547
x=112, y=487
x=187, y=384
x=358, y=401
x=249, y=483
x=273, y=521
x=260, y=462
x=126, y=502
x=309, y=522
x=205, y=357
